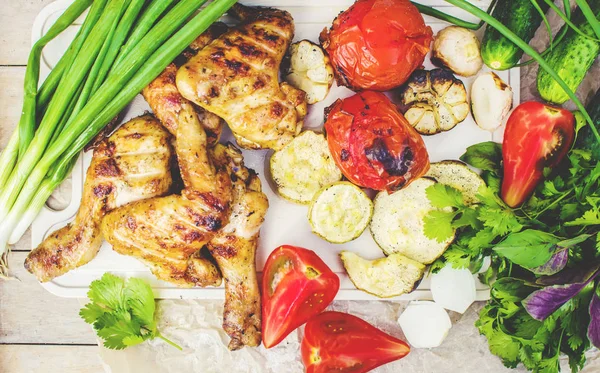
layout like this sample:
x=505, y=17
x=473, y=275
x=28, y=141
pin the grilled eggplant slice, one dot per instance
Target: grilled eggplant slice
x=340, y=212
x=434, y=101
x=303, y=167
x=459, y=176
x=397, y=225
x=387, y=277
x=310, y=70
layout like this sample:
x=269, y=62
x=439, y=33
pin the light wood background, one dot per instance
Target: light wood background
x=38, y=331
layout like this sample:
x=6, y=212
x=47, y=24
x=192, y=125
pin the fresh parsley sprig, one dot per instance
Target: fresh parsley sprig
x=122, y=312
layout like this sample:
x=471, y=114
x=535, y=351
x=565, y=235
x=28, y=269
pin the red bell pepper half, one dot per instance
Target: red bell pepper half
x=296, y=285
x=536, y=136
x=342, y=343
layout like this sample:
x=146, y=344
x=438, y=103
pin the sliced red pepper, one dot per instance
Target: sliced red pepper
x=537, y=136
x=296, y=285
x=343, y=343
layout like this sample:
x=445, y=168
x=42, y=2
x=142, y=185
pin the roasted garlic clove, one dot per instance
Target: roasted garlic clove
x=435, y=101
x=310, y=70
x=491, y=100
x=457, y=49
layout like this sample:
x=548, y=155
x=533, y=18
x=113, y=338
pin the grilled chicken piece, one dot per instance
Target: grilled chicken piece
x=237, y=78
x=167, y=232
x=234, y=249
x=164, y=98
x=132, y=164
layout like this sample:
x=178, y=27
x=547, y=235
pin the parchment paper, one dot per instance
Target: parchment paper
x=196, y=325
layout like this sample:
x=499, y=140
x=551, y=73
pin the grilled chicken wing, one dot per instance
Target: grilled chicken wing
x=234, y=249
x=237, y=78
x=165, y=100
x=167, y=232
x=132, y=164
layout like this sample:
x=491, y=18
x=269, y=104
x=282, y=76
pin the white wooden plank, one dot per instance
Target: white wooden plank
x=16, y=20
x=44, y=359
x=29, y=314
x=11, y=100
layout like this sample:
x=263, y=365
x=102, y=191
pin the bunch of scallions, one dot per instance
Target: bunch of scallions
x=120, y=48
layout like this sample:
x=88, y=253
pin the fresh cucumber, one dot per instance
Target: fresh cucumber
x=571, y=59
x=523, y=19
x=585, y=137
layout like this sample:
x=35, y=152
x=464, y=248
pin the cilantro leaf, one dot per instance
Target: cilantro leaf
x=500, y=221
x=122, y=313
x=441, y=196
x=437, y=225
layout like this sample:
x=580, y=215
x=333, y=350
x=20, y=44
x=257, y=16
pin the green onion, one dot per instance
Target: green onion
x=568, y=21
x=118, y=39
x=590, y=16
x=148, y=18
x=544, y=18
x=27, y=123
x=63, y=95
x=135, y=72
x=49, y=86
x=452, y=19
x=491, y=21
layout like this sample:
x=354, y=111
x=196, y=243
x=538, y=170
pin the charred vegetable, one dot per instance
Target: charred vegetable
x=459, y=176
x=340, y=212
x=373, y=144
x=310, y=70
x=398, y=226
x=377, y=44
x=303, y=167
x=435, y=101
x=491, y=100
x=537, y=136
x=386, y=277
x=457, y=49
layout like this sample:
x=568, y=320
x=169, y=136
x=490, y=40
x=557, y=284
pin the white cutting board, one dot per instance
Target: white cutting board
x=286, y=223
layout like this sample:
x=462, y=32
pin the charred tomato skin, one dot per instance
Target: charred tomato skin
x=536, y=136
x=377, y=44
x=343, y=343
x=296, y=285
x=373, y=144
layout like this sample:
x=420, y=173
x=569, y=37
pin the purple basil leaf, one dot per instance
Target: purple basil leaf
x=542, y=303
x=569, y=276
x=556, y=264
x=593, y=332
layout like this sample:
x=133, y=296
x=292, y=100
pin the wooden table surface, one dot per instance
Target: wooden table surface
x=39, y=332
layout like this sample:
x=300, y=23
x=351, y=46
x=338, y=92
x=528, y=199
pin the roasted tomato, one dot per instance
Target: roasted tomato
x=536, y=136
x=339, y=342
x=296, y=285
x=377, y=44
x=373, y=144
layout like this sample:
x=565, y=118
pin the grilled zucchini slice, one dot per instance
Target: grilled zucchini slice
x=386, y=277
x=340, y=212
x=398, y=227
x=303, y=167
x=459, y=176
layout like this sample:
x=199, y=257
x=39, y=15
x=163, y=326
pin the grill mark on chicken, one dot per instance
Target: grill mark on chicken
x=108, y=183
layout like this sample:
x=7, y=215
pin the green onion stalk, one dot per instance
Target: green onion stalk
x=63, y=95
x=51, y=82
x=491, y=21
x=589, y=16
x=136, y=72
x=430, y=11
x=21, y=138
x=154, y=10
x=63, y=168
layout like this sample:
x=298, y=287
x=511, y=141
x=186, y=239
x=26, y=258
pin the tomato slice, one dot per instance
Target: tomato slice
x=536, y=136
x=373, y=144
x=339, y=342
x=296, y=285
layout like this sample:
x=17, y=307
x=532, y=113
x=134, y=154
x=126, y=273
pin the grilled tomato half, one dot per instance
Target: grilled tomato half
x=373, y=144
x=377, y=44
